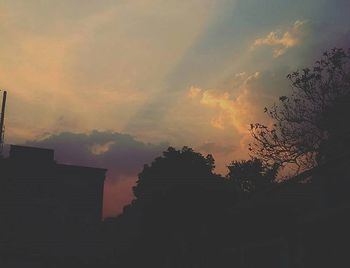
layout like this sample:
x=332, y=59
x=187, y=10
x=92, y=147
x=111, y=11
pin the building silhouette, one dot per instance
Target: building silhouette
x=47, y=208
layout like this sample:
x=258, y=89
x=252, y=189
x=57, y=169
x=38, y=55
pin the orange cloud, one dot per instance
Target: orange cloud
x=194, y=92
x=282, y=41
x=218, y=122
x=233, y=111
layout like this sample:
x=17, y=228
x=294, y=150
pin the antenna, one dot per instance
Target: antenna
x=2, y=120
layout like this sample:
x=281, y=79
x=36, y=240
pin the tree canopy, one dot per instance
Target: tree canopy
x=250, y=176
x=309, y=126
x=179, y=203
x=174, y=169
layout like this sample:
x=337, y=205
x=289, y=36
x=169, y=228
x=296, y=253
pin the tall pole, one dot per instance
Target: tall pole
x=2, y=120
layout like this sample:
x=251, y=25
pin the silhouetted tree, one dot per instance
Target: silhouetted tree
x=179, y=211
x=250, y=176
x=309, y=126
x=174, y=169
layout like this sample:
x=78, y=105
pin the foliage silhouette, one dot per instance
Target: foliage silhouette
x=309, y=126
x=250, y=176
x=179, y=207
x=174, y=168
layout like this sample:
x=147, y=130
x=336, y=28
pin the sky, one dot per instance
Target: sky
x=114, y=83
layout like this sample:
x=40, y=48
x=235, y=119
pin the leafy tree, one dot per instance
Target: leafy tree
x=250, y=176
x=309, y=126
x=179, y=211
x=174, y=169
x=181, y=185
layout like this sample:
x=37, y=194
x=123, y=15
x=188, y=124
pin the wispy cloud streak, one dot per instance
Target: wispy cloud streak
x=282, y=41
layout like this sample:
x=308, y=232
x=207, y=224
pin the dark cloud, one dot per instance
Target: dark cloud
x=121, y=154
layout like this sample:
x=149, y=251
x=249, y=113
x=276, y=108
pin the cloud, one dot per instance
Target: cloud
x=93, y=64
x=121, y=154
x=282, y=41
x=230, y=110
x=233, y=109
x=212, y=147
x=194, y=92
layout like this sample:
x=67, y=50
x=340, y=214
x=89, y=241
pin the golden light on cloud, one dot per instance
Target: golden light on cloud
x=218, y=122
x=232, y=110
x=229, y=113
x=194, y=92
x=282, y=41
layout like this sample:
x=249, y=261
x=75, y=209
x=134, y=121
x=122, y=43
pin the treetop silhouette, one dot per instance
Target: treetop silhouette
x=175, y=168
x=250, y=176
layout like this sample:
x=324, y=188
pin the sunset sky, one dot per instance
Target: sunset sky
x=112, y=83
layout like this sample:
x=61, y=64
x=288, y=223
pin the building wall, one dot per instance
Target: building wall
x=43, y=200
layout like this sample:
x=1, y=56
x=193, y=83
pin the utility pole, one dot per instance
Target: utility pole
x=2, y=121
